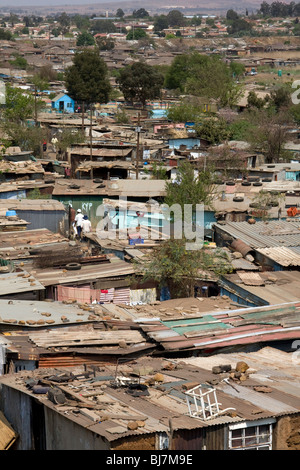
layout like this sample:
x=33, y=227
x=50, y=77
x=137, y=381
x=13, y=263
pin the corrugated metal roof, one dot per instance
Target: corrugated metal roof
x=283, y=288
x=115, y=269
x=243, y=264
x=228, y=328
x=264, y=234
x=282, y=255
x=260, y=400
x=32, y=204
x=24, y=310
x=102, y=152
x=250, y=278
x=166, y=401
x=15, y=283
x=208, y=322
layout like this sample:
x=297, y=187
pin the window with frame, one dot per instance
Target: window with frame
x=251, y=436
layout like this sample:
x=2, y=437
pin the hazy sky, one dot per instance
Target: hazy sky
x=47, y=3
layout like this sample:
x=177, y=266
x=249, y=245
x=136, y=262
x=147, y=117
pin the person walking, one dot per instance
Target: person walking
x=78, y=222
x=86, y=226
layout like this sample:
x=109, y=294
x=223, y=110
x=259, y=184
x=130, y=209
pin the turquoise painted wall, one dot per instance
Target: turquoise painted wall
x=88, y=205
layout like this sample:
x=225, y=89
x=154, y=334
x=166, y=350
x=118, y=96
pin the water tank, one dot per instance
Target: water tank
x=11, y=214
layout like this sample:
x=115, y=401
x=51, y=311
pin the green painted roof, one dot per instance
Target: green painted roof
x=207, y=322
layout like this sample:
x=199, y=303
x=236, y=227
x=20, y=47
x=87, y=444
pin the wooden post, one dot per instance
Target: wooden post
x=137, y=148
x=91, y=140
x=82, y=117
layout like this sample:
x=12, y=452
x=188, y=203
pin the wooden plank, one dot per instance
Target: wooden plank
x=7, y=434
x=85, y=338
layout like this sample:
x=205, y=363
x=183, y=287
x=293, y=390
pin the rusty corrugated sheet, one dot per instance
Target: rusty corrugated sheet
x=250, y=278
x=188, y=439
x=68, y=361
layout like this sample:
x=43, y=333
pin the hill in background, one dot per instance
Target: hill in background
x=214, y=7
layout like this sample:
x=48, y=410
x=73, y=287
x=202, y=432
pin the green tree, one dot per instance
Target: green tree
x=231, y=15
x=190, y=188
x=81, y=22
x=19, y=109
x=103, y=26
x=237, y=69
x=56, y=32
x=210, y=22
x=296, y=30
x=281, y=97
x=159, y=172
x=39, y=84
x=19, y=62
x=239, y=26
x=174, y=267
x=176, y=18
x=87, y=79
x=65, y=22
x=140, y=82
x=140, y=13
x=184, y=112
x=240, y=128
x=85, y=39
x=253, y=101
x=202, y=75
x=136, y=34
x=295, y=113
x=269, y=134
x=215, y=130
x=161, y=22
x=265, y=9
x=179, y=71
x=120, y=13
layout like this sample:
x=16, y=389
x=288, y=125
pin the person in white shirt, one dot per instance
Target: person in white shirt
x=86, y=226
x=78, y=222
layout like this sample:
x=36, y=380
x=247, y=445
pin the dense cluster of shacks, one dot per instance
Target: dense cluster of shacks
x=90, y=359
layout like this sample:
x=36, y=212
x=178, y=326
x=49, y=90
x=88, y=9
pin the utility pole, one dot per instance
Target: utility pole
x=91, y=140
x=138, y=130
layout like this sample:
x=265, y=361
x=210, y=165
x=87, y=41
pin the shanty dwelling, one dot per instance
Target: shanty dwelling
x=130, y=215
x=112, y=155
x=88, y=195
x=39, y=213
x=154, y=404
x=68, y=334
x=261, y=288
x=102, y=278
x=28, y=169
x=22, y=189
x=273, y=244
x=105, y=170
x=62, y=103
x=21, y=247
x=205, y=331
x=20, y=285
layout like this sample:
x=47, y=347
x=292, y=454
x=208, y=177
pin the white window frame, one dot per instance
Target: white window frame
x=251, y=424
